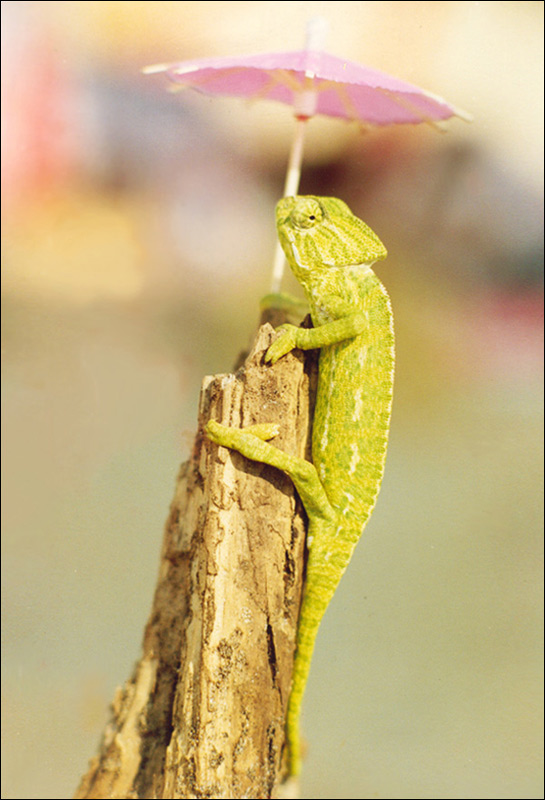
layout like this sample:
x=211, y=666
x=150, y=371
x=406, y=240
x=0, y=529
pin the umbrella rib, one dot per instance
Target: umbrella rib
x=278, y=78
x=204, y=80
x=181, y=85
x=340, y=89
x=406, y=104
x=282, y=77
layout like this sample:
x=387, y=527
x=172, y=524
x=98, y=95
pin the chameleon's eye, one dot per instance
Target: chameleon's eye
x=306, y=214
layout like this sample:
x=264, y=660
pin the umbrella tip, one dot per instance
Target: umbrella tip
x=151, y=69
x=317, y=30
x=465, y=115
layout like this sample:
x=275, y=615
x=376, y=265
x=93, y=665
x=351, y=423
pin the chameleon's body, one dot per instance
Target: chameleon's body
x=330, y=252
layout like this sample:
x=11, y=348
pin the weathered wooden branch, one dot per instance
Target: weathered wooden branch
x=203, y=713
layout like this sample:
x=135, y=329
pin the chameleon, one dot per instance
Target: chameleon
x=330, y=251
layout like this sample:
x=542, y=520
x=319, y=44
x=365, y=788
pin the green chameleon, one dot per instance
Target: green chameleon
x=330, y=252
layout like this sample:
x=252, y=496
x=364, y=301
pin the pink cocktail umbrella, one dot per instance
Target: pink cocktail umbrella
x=312, y=82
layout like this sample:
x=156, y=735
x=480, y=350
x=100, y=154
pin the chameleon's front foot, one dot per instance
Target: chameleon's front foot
x=285, y=343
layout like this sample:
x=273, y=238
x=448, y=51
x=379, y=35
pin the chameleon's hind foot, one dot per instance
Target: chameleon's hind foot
x=264, y=430
x=231, y=437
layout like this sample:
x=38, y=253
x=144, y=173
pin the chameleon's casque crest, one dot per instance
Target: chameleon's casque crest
x=322, y=231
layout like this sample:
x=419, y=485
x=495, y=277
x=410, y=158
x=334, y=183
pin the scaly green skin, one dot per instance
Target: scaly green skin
x=330, y=252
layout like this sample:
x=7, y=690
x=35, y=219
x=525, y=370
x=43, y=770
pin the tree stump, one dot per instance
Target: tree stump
x=203, y=715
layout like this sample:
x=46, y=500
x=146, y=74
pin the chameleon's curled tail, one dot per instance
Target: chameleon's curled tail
x=306, y=636
x=320, y=587
x=324, y=572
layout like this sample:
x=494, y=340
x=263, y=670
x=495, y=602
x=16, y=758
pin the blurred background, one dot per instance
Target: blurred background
x=137, y=240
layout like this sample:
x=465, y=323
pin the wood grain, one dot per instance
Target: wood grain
x=203, y=714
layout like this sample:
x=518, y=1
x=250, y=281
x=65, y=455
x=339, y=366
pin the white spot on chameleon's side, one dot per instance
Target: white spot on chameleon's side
x=324, y=439
x=325, y=436
x=362, y=356
x=349, y=497
x=358, y=405
x=354, y=458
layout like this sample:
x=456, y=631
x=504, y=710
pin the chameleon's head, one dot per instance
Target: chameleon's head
x=322, y=232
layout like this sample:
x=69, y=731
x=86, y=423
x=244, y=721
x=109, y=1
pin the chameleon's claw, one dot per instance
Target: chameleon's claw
x=214, y=431
x=226, y=436
x=264, y=430
x=285, y=343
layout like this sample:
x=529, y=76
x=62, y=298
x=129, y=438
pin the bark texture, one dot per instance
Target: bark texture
x=203, y=714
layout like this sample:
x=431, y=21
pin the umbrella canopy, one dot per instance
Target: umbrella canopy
x=312, y=82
